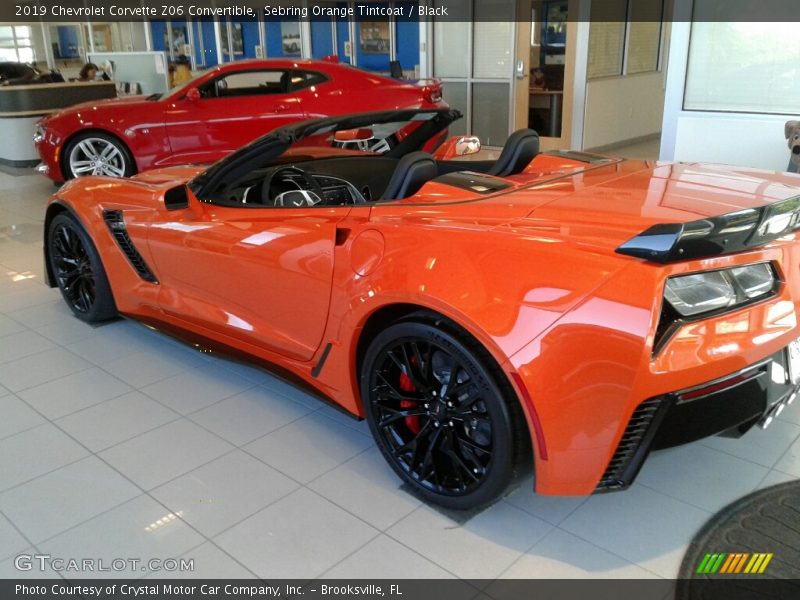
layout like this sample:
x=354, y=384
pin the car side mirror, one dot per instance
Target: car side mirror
x=458, y=146
x=193, y=95
x=467, y=145
x=177, y=198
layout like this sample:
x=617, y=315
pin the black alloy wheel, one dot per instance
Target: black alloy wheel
x=438, y=415
x=78, y=271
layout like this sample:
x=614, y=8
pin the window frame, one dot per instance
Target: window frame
x=15, y=40
x=212, y=84
x=626, y=46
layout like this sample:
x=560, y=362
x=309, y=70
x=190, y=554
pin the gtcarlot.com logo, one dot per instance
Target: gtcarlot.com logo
x=732, y=563
x=46, y=562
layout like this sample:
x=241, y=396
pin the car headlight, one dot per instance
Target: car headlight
x=700, y=293
x=38, y=134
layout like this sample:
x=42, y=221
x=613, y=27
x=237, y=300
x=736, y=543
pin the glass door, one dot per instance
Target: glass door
x=474, y=57
x=542, y=87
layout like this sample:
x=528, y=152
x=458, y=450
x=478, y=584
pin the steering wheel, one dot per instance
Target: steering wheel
x=311, y=184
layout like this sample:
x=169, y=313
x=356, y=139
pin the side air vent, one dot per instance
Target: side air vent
x=634, y=445
x=116, y=225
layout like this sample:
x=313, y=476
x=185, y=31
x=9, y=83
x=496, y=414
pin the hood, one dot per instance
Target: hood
x=605, y=207
x=109, y=103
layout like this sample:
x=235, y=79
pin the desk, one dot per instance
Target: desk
x=21, y=107
x=554, y=99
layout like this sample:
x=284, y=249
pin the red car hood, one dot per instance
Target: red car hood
x=109, y=103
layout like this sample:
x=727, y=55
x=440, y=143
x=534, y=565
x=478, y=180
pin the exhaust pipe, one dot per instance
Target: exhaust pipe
x=776, y=410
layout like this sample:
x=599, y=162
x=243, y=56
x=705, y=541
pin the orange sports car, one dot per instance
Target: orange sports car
x=561, y=312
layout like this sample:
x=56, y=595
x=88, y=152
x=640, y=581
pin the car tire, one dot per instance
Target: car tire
x=78, y=270
x=96, y=153
x=460, y=446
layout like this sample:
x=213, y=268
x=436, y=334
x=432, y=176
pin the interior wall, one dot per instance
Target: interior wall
x=742, y=139
x=623, y=108
x=758, y=140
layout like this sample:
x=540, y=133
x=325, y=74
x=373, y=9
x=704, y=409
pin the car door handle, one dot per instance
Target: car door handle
x=280, y=108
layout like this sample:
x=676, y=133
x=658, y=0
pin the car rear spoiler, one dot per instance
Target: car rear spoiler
x=714, y=236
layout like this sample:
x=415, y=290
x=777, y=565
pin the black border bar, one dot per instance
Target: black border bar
x=81, y=11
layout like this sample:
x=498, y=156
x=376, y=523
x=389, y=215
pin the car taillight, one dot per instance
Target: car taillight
x=710, y=291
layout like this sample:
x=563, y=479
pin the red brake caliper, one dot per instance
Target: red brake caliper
x=406, y=386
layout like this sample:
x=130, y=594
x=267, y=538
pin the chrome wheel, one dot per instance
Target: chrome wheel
x=97, y=156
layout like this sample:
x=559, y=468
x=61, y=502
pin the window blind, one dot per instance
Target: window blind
x=607, y=38
x=743, y=67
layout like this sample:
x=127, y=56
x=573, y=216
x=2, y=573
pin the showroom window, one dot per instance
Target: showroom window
x=743, y=67
x=16, y=43
x=624, y=38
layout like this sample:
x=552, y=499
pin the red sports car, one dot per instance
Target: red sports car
x=577, y=309
x=217, y=112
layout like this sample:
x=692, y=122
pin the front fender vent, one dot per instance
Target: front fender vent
x=116, y=226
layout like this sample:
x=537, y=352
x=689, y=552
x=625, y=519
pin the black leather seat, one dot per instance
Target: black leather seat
x=410, y=174
x=520, y=149
x=286, y=82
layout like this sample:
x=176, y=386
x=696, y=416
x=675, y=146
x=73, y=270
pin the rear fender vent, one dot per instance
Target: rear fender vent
x=116, y=225
x=635, y=444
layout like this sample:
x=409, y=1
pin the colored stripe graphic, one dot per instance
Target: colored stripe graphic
x=740, y=564
x=727, y=564
x=702, y=567
x=730, y=564
x=754, y=563
x=715, y=567
x=733, y=563
x=767, y=558
x=711, y=563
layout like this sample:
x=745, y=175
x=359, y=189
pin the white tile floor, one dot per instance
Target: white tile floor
x=105, y=432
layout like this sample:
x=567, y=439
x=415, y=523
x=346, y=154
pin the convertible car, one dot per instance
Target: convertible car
x=212, y=115
x=558, y=312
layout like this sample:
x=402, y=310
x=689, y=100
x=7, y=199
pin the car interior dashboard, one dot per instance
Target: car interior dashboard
x=336, y=181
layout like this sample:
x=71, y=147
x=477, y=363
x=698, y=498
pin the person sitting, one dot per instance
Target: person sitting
x=88, y=72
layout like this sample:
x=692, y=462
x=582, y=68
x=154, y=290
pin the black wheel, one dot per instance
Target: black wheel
x=78, y=271
x=440, y=418
x=96, y=153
